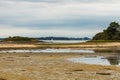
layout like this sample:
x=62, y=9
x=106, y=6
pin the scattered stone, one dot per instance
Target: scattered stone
x=24, y=56
x=9, y=60
x=68, y=73
x=78, y=70
x=104, y=73
x=107, y=68
x=10, y=57
x=2, y=79
x=23, y=70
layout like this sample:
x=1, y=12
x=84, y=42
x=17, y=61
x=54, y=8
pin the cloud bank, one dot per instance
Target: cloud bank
x=54, y=17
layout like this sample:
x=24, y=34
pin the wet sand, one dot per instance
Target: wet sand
x=70, y=45
x=52, y=66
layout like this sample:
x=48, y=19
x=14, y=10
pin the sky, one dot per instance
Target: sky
x=64, y=18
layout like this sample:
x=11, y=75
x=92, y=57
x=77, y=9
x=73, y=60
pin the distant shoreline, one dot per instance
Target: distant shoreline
x=84, y=45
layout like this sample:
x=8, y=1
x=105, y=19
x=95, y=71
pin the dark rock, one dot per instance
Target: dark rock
x=78, y=70
x=2, y=79
x=104, y=73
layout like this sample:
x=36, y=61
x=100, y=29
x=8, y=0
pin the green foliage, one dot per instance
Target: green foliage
x=111, y=33
x=19, y=39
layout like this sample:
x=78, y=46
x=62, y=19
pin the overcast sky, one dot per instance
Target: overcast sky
x=72, y=18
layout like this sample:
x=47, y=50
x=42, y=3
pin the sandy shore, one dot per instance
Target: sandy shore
x=90, y=45
x=39, y=66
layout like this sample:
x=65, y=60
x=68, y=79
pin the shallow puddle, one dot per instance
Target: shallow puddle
x=98, y=60
x=51, y=51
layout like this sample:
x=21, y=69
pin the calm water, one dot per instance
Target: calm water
x=98, y=60
x=52, y=51
x=65, y=41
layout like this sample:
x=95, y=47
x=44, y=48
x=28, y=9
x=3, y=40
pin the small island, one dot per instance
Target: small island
x=19, y=39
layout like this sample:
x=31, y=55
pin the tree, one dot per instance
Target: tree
x=111, y=33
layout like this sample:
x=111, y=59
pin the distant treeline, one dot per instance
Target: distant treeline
x=44, y=38
x=18, y=39
x=62, y=38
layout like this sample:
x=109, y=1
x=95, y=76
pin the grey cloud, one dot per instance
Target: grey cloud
x=57, y=1
x=76, y=14
x=89, y=22
x=37, y=0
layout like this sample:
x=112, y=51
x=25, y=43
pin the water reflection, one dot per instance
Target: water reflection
x=107, y=51
x=114, y=60
x=98, y=60
x=49, y=51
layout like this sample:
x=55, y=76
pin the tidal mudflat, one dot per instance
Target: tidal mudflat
x=20, y=63
x=39, y=66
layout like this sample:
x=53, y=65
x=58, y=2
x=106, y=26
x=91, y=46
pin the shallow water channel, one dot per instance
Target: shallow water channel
x=48, y=51
x=98, y=60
